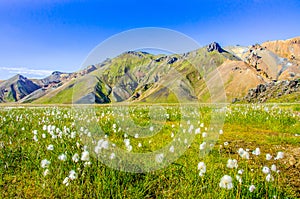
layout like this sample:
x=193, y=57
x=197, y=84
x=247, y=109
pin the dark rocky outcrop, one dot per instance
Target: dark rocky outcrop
x=215, y=47
x=265, y=92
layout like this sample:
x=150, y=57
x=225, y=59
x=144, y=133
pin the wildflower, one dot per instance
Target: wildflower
x=232, y=163
x=50, y=147
x=171, y=149
x=136, y=135
x=35, y=138
x=279, y=155
x=269, y=178
x=239, y=178
x=140, y=144
x=225, y=143
x=252, y=188
x=221, y=132
x=204, y=134
x=45, y=163
x=72, y=175
x=151, y=128
x=75, y=157
x=112, y=156
x=73, y=135
x=66, y=181
x=191, y=128
x=241, y=171
x=202, y=146
x=273, y=167
x=159, y=157
x=197, y=131
x=244, y=154
x=268, y=156
x=62, y=157
x=266, y=170
x=103, y=144
x=201, y=168
x=256, y=151
x=44, y=135
x=226, y=182
x=86, y=164
x=85, y=156
x=46, y=172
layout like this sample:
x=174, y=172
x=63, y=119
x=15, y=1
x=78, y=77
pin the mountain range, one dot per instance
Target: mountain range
x=208, y=74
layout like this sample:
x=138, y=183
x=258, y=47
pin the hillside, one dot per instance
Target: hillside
x=208, y=74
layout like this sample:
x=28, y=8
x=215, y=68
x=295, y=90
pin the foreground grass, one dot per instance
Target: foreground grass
x=26, y=134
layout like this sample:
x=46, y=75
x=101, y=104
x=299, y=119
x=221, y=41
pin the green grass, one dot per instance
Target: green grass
x=268, y=127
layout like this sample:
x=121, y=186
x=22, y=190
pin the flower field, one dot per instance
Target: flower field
x=143, y=151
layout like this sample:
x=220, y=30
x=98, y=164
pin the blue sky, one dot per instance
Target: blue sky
x=41, y=36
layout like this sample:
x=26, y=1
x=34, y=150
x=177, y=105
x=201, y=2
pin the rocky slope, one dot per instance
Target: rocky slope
x=275, y=91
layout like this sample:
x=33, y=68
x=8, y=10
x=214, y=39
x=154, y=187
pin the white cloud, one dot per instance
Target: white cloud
x=26, y=71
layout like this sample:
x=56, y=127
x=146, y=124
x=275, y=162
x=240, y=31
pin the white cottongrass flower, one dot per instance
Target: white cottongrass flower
x=201, y=168
x=268, y=156
x=204, y=134
x=75, y=157
x=43, y=135
x=266, y=170
x=202, y=146
x=226, y=182
x=197, y=131
x=226, y=143
x=85, y=156
x=151, y=128
x=73, y=135
x=221, y=132
x=50, y=147
x=256, y=151
x=139, y=144
x=244, y=154
x=273, y=168
x=66, y=181
x=159, y=157
x=72, y=175
x=45, y=163
x=35, y=138
x=86, y=164
x=241, y=171
x=279, y=155
x=239, y=178
x=269, y=178
x=112, y=156
x=172, y=149
x=232, y=163
x=252, y=188
x=62, y=157
x=136, y=135
x=191, y=128
x=46, y=172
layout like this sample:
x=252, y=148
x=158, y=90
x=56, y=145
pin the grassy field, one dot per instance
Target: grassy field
x=143, y=151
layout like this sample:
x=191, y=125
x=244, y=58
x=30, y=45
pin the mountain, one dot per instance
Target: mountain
x=201, y=74
x=16, y=88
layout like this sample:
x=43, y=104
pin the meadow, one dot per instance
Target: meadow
x=150, y=151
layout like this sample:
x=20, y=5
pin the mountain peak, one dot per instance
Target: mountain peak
x=214, y=46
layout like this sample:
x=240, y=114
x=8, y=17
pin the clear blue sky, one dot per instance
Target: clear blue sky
x=39, y=36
